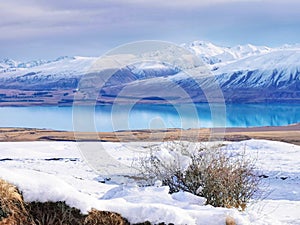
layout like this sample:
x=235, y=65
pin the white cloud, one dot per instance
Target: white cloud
x=37, y=20
x=116, y=22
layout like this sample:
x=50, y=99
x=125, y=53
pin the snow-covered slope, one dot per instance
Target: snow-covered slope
x=56, y=171
x=268, y=76
x=9, y=65
x=63, y=72
x=245, y=73
x=278, y=69
x=252, y=74
x=272, y=76
x=213, y=54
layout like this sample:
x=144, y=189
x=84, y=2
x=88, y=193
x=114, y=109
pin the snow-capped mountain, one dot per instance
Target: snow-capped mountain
x=63, y=71
x=9, y=65
x=213, y=54
x=277, y=69
x=272, y=76
x=251, y=74
x=245, y=73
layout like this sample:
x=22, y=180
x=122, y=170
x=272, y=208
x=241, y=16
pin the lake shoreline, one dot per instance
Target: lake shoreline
x=289, y=134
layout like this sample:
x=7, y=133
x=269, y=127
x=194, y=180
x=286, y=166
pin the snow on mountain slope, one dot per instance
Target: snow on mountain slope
x=277, y=59
x=8, y=65
x=70, y=69
x=62, y=66
x=63, y=72
x=268, y=76
x=245, y=73
x=156, y=69
x=212, y=54
x=278, y=69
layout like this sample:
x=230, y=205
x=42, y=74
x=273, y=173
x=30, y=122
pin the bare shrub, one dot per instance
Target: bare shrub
x=170, y=171
x=224, y=180
x=12, y=206
x=231, y=181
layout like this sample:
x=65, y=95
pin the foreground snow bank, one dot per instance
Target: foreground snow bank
x=55, y=171
x=138, y=204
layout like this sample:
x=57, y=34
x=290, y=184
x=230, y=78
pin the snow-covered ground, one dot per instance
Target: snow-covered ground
x=56, y=171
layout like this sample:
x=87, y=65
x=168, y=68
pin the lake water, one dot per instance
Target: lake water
x=122, y=117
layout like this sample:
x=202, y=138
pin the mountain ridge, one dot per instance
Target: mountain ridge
x=244, y=73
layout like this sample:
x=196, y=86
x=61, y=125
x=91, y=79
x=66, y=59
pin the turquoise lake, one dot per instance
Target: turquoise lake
x=123, y=117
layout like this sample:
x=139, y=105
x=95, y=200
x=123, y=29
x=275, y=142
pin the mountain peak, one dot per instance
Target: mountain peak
x=9, y=62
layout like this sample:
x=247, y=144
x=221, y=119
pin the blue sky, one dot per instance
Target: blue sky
x=34, y=29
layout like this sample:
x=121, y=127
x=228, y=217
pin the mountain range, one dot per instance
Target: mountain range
x=244, y=74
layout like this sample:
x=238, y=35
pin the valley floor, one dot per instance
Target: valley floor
x=56, y=171
x=289, y=134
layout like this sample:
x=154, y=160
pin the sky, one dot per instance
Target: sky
x=43, y=29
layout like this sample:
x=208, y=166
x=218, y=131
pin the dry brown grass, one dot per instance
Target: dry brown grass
x=12, y=206
x=54, y=213
x=289, y=134
x=230, y=221
x=14, y=211
x=104, y=218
